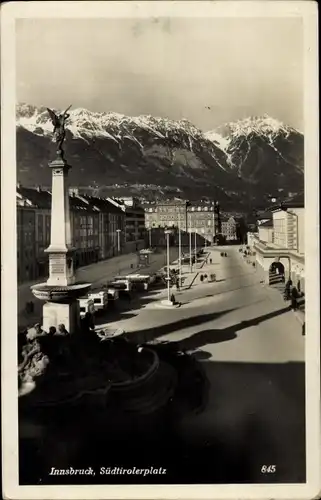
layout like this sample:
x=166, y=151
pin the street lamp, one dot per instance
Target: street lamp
x=190, y=245
x=167, y=233
x=179, y=249
x=118, y=231
x=195, y=246
x=150, y=237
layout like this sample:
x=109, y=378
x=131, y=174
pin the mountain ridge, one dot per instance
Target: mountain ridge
x=108, y=148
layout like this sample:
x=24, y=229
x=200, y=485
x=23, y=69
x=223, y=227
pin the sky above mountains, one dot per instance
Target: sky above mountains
x=210, y=71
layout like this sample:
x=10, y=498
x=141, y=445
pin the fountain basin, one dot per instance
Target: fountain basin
x=148, y=388
x=50, y=293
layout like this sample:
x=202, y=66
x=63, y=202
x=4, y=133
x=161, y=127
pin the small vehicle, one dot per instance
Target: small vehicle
x=86, y=305
x=100, y=300
x=127, y=284
x=113, y=294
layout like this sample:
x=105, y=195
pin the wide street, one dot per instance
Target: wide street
x=97, y=274
x=252, y=350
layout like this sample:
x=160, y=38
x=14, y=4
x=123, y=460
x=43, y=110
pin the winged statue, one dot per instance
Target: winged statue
x=59, y=131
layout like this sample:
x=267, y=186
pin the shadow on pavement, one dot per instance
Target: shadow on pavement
x=149, y=334
x=224, y=334
x=255, y=416
x=122, y=310
x=206, y=337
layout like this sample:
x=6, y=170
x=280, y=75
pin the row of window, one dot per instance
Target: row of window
x=170, y=210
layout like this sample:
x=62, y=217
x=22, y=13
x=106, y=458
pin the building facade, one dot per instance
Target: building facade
x=229, y=229
x=94, y=225
x=281, y=242
x=26, y=243
x=133, y=234
x=266, y=231
x=202, y=218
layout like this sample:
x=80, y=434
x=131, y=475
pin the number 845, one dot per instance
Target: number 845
x=268, y=469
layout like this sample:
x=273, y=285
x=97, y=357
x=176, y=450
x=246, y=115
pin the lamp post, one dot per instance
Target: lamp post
x=190, y=245
x=213, y=223
x=195, y=246
x=150, y=237
x=180, y=250
x=167, y=233
x=118, y=231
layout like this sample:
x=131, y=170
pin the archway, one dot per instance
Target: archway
x=276, y=273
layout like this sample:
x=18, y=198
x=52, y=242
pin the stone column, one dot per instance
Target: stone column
x=61, y=265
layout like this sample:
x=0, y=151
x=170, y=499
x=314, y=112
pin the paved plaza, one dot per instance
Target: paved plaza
x=252, y=350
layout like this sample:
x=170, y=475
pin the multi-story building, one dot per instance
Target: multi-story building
x=281, y=241
x=202, y=218
x=265, y=231
x=33, y=234
x=26, y=251
x=111, y=226
x=84, y=222
x=133, y=234
x=94, y=230
x=171, y=213
x=229, y=228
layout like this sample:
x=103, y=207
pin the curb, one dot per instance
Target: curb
x=300, y=317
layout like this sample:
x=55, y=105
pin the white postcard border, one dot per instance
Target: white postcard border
x=9, y=12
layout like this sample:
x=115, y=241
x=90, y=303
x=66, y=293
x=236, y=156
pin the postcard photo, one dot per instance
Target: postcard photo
x=160, y=264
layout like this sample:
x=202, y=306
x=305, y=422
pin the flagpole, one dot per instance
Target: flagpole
x=179, y=250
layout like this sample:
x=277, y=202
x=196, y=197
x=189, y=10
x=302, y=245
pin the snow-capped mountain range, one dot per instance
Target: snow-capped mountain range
x=105, y=148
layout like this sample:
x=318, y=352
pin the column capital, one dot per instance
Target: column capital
x=59, y=163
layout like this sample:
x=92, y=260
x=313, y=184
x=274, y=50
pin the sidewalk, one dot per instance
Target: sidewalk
x=201, y=267
x=278, y=290
x=96, y=274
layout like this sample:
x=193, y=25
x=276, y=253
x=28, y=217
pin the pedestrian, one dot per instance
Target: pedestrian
x=52, y=331
x=173, y=300
x=287, y=290
x=303, y=328
x=177, y=285
x=62, y=330
x=205, y=276
x=211, y=261
x=201, y=278
x=294, y=298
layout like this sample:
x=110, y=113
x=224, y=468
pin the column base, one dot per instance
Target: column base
x=55, y=314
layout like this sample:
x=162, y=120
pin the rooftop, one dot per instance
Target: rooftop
x=37, y=197
x=264, y=215
x=41, y=198
x=268, y=223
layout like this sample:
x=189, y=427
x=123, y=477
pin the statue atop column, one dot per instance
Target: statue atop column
x=59, y=131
